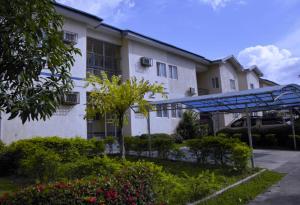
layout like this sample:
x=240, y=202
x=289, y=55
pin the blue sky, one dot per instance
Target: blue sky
x=261, y=32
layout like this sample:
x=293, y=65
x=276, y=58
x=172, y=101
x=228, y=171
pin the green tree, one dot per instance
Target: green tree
x=116, y=97
x=189, y=126
x=30, y=41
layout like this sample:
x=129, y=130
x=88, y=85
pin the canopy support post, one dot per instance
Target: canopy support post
x=250, y=136
x=293, y=129
x=214, y=123
x=149, y=134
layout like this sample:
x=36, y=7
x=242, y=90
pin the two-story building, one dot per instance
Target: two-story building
x=127, y=53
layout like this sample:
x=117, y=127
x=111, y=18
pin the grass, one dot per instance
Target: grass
x=223, y=175
x=243, y=193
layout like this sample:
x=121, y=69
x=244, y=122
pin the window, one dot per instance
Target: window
x=173, y=72
x=232, y=84
x=271, y=121
x=215, y=82
x=161, y=69
x=238, y=123
x=102, y=56
x=162, y=111
x=165, y=111
x=158, y=111
x=176, y=110
x=252, y=86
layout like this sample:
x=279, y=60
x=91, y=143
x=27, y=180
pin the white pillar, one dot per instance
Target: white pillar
x=250, y=136
x=293, y=129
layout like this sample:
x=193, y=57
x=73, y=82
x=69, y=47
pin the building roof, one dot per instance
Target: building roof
x=267, y=98
x=231, y=59
x=268, y=82
x=94, y=17
x=255, y=69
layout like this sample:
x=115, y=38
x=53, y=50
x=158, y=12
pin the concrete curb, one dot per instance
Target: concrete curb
x=227, y=188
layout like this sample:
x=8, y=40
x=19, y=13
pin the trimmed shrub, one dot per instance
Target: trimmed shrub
x=41, y=165
x=2, y=146
x=240, y=155
x=237, y=136
x=224, y=151
x=133, y=184
x=98, y=166
x=67, y=150
x=110, y=141
x=257, y=139
x=270, y=140
x=163, y=145
x=177, y=138
x=290, y=141
x=189, y=126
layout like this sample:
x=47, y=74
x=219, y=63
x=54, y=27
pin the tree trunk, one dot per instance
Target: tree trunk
x=121, y=137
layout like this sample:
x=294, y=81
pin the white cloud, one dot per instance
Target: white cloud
x=111, y=10
x=277, y=64
x=217, y=4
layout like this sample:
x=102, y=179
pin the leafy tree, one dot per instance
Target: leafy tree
x=116, y=97
x=189, y=126
x=30, y=41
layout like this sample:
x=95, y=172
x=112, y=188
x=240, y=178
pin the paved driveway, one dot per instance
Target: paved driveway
x=287, y=191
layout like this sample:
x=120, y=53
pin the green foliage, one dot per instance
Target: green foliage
x=30, y=41
x=222, y=150
x=240, y=155
x=41, y=165
x=133, y=184
x=115, y=97
x=188, y=126
x=2, y=146
x=244, y=193
x=270, y=139
x=109, y=141
x=83, y=167
x=68, y=150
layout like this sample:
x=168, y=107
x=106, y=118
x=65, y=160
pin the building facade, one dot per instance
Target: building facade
x=127, y=53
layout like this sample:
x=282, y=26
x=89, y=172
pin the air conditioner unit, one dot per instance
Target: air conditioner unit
x=72, y=98
x=192, y=91
x=70, y=37
x=146, y=62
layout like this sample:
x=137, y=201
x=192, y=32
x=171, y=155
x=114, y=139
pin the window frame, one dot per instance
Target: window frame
x=232, y=84
x=173, y=72
x=161, y=71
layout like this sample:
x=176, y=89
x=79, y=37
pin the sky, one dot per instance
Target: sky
x=265, y=33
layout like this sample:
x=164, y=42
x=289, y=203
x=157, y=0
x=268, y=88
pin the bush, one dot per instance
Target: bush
x=109, y=141
x=163, y=145
x=133, y=184
x=270, y=140
x=177, y=138
x=68, y=150
x=240, y=155
x=189, y=126
x=98, y=166
x=2, y=146
x=290, y=141
x=224, y=151
x=257, y=139
x=41, y=165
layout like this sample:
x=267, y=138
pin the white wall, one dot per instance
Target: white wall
x=175, y=88
x=68, y=121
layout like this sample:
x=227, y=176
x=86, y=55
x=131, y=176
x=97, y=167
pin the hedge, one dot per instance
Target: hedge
x=133, y=184
x=39, y=158
x=220, y=151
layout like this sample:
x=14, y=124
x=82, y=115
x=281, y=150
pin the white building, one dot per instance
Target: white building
x=120, y=52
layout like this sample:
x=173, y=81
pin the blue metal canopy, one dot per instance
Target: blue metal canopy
x=261, y=99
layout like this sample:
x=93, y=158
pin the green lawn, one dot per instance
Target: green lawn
x=243, y=193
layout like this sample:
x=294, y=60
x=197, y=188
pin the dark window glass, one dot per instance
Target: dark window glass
x=238, y=123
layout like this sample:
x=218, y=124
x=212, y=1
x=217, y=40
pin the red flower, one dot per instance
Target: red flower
x=91, y=200
x=40, y=187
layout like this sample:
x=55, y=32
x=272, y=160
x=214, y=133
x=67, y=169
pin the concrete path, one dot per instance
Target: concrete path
x=287, y=191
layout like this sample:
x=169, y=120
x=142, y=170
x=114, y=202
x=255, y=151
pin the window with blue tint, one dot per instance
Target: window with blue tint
x=161, y=69
x=173, y=73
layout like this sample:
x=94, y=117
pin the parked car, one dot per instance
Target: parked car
x=262, y=130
